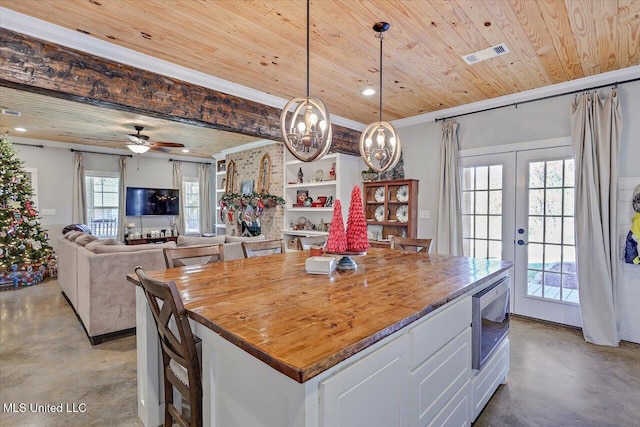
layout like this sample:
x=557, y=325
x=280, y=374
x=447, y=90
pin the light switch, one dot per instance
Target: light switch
x=44, y=212
x=424, y=215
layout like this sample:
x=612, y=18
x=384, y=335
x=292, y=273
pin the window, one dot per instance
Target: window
x=551, y=269
x=191, y=200
x=102, y=203
x=482, y=211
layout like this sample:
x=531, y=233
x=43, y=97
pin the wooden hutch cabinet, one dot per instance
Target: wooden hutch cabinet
x=391, y=208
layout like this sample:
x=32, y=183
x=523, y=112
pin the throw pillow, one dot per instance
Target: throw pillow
x=76, y=227
x=72, y=235
x=85, y=239
x=108, y=242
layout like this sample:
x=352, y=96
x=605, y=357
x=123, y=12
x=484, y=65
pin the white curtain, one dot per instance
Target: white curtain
x=177, y=183
x=596, y=132
x=122, y=197
x=79, y=208
x=448, y=236
x=204, y=176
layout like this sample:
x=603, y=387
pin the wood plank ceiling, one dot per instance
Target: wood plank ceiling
x=260, y=44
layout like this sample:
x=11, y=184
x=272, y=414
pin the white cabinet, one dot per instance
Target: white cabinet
x=370, y=392
x=441, y=366
x=318, y=184
x=456, y=412
x=421, y=378
x=434, y=383
x=221, y=174
x=487, y=381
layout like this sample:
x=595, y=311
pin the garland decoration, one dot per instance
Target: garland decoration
x=236, y=201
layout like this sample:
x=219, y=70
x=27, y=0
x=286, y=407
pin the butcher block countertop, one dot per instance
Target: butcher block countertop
x=303, y=324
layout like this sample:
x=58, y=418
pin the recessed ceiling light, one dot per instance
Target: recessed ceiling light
x=20, y=129
x=184, y=150
x=368, y=91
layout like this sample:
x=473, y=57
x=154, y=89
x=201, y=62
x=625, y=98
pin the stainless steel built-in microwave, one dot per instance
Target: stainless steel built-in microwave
x=490, y=320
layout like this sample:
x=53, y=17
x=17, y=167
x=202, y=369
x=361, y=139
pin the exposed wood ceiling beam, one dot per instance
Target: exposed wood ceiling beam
x=41, y=67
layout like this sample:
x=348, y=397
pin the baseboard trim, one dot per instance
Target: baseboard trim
x=547, y=322
x=99, y=339
x=560, y=325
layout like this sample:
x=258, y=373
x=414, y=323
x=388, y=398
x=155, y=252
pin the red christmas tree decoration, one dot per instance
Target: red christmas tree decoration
x=357, y=239
x=337, y=241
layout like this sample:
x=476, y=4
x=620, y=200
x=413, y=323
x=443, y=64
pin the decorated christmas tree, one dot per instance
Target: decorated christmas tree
x=337, y=241
x=24, y=251
x=357, y=239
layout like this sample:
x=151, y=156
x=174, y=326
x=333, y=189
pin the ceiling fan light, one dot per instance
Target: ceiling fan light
x=138, y=149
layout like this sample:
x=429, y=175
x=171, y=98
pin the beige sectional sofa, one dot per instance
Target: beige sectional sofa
x=92, y=274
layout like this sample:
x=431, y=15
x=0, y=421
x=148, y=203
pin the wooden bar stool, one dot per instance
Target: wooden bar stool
x=180, y=362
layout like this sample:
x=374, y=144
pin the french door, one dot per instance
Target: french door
x=518, y=206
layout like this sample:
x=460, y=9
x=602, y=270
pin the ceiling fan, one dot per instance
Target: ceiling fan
x=140, y=143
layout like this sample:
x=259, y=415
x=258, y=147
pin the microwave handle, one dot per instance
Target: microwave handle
x=494, y=292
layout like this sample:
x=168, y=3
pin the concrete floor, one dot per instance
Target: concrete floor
x=556, y=379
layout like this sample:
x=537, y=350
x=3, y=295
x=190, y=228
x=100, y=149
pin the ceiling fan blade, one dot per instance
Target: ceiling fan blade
x=168, y=144
x=134, y=139
x=162, y=149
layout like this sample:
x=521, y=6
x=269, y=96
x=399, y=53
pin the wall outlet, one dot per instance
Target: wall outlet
x=424, y=215
x=45, y=212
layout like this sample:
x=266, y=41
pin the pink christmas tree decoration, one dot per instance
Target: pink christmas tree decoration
x=357, y=239
x=337, y=241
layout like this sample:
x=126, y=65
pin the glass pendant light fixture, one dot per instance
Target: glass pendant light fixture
x=305, y=123
x=379, y=142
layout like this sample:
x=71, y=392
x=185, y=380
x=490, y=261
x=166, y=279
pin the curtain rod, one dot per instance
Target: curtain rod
x=73, y=150
x=189, y=161
x=28, y=145
x=615, y=84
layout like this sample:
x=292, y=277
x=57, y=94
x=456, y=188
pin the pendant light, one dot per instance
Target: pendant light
x=305, y=123
x=379, y=142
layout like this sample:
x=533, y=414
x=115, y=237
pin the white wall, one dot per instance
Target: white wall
x=529, y=122
x=55, y=181
x=628, y=292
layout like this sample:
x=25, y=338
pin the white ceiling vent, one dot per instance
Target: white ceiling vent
x=11, y=113
x=484, y=54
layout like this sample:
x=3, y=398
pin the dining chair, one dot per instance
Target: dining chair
x=195, y=255
x=304, y=243
x=407, y=244
x=258, y=248
x=180, y=361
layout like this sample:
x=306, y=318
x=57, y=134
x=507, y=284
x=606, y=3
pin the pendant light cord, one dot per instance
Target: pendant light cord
x=380, y=36
x=308, y=49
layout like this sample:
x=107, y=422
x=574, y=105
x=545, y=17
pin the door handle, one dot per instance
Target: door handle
x=522, y=242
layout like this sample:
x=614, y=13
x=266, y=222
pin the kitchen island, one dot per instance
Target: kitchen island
x=285, y=348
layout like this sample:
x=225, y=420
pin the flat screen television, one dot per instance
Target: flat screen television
x=152, y=201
